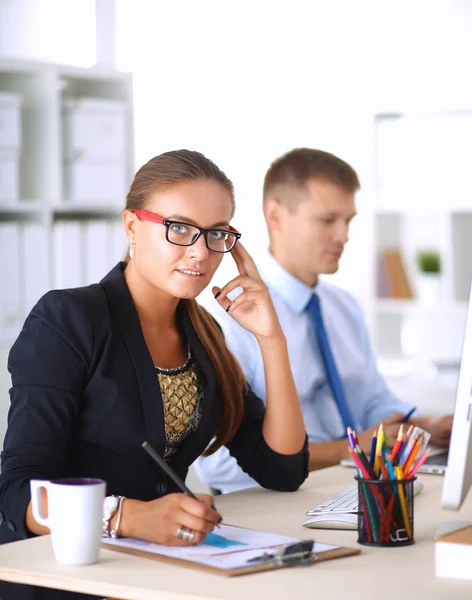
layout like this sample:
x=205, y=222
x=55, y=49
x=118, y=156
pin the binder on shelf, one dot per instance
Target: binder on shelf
x=118, y=242
x=96, y=250
x=384, y=289
x=10, y=298
x=392, y=276
x=67, y=254
x=35, y=264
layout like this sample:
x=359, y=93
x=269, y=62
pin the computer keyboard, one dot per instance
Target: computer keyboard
x=345, y=501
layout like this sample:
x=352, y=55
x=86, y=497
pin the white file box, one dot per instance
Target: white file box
x=94, y=130
x=96, y=183
x=10, y=120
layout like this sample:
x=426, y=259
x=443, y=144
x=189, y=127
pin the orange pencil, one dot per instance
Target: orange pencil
x=412, y=456
x=408, y=447
x=382, y=466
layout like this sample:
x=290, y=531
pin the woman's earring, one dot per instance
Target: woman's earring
x=131, y=251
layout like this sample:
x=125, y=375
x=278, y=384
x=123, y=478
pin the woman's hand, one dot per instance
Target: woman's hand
x=159, y=520
x=253, y=308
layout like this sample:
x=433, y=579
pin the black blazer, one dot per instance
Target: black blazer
x=85, y=395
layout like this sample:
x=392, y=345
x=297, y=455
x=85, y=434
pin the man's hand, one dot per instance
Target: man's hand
x=438, y=427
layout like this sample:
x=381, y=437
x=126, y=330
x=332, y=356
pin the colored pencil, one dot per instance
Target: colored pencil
x=350, y=438
x=407, y=450
x=397, y=445
x=411, y=458
x=418, y=464
x=372, y=449
x=403, y=504
x=378, y=448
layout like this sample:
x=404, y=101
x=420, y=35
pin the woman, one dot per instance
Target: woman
x=98, y=370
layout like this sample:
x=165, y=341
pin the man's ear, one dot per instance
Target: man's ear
x=273, y=213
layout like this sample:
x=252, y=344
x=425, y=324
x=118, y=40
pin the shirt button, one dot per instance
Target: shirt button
x=161, y=488
x=11, y=526
x=2, y=517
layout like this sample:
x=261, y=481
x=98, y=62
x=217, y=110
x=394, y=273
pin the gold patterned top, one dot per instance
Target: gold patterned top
x=182, y=399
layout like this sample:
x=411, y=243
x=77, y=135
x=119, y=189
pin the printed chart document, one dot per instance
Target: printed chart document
x=231, y=551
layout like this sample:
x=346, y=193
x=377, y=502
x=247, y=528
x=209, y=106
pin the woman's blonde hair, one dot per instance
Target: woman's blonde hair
x=159, y=173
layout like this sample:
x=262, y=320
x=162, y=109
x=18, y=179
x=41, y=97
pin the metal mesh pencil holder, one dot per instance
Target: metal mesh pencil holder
x=385, y=516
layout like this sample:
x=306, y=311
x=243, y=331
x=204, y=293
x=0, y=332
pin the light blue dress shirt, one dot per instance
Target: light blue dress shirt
x=369, y=398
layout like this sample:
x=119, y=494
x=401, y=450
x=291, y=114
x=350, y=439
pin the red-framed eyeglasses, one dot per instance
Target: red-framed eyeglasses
x=180, y=233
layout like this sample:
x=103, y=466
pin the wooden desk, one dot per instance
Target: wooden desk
x=408, y=571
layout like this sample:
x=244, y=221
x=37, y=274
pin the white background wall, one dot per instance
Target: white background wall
x=245, y=81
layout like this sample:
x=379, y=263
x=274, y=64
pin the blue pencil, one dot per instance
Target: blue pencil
x=372, y=450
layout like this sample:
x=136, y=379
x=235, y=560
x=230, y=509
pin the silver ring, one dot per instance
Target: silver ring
x=185, y=534
x=190, y=536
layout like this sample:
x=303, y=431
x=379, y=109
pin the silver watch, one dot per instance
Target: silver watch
x=110, y=506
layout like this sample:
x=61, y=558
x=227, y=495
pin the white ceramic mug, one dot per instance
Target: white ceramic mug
x=75, y=508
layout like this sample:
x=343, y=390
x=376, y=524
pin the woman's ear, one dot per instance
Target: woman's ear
x=129, y=221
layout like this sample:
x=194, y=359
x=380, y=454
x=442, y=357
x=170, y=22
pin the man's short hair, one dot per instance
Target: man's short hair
x=289, y=174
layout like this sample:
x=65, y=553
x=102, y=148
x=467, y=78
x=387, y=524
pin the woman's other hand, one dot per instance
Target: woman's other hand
x=253, y=308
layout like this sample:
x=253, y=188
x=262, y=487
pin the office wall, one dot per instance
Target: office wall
x=49, y=30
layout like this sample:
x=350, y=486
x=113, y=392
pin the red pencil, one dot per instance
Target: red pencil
x=359, y=464
x=397, y=445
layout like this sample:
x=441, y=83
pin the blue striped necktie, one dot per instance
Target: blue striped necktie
x=314, y=309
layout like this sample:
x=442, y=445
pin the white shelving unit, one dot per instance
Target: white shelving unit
x=424, y=201
x=42, y=200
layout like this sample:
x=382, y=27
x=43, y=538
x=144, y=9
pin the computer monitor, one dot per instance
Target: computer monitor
x=458, y=478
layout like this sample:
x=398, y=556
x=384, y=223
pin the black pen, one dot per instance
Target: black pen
x=408, y=415
x=169, y=471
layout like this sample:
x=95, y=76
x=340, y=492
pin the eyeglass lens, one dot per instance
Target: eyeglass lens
x=185, y=235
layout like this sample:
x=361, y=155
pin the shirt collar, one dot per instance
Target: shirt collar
x=294, y=292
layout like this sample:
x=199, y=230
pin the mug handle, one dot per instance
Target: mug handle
x=36, y=485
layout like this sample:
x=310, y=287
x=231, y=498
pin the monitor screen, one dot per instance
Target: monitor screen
x=458, y=478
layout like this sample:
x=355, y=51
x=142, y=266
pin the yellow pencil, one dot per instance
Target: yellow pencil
x=401, y=494
x=378, y=449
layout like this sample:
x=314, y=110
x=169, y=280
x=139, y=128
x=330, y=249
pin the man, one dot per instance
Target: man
x=309, y=202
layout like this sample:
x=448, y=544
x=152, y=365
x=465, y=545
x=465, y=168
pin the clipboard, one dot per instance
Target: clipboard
x=278, y=556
